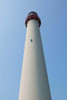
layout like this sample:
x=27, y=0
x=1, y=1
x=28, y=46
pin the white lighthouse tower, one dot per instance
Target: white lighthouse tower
x=34, y=81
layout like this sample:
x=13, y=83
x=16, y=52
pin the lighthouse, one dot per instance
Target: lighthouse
x=34, y=83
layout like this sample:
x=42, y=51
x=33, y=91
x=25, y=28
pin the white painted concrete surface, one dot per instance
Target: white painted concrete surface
x=34, y=81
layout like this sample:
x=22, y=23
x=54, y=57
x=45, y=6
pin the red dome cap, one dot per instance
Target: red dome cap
x=32, y=15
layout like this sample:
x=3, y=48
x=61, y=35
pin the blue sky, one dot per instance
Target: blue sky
x=53, y=14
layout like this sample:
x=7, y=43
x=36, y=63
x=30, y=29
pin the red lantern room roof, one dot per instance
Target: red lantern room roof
x=32, y=15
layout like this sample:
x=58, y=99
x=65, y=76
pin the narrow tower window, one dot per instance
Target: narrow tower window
x=31, y=40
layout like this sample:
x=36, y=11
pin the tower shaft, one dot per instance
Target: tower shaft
x=34, y=81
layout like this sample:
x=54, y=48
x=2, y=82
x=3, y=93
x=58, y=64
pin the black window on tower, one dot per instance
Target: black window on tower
x=31, y=40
